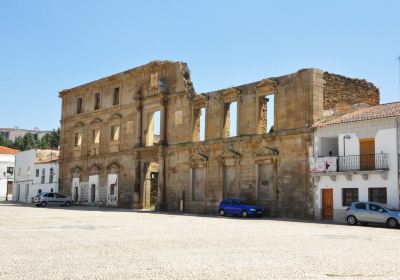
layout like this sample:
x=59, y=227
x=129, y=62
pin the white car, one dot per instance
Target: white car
x=52, y=198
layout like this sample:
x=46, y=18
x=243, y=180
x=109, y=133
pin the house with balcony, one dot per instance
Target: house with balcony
x=356, y=158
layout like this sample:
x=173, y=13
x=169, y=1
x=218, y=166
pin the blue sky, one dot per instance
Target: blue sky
x=46, y=46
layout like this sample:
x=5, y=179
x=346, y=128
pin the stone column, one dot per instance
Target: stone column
x=161, y=182
x=139, y=116
x=163, y=120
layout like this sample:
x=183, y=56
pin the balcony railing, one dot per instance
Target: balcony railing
x=350, y=163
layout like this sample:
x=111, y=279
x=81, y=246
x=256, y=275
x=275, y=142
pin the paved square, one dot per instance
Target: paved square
x=85, y=243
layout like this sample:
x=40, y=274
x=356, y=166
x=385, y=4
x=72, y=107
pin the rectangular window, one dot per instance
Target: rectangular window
x=377, y=195
x=97, y=101
x=42, y=179
x=37, y=173
x=116, y=96
x=79, y=105
x=96, y=136
x=114, y=132
x=78, y=139
x=230, y=119
x=51, y=176
x=349, y=195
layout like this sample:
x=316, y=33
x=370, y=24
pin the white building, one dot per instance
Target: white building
x=356, y=159
x=35, y=171
x=7, y=164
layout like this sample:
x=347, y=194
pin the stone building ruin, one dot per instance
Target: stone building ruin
x=111, y=156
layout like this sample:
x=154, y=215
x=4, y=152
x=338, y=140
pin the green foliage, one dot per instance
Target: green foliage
x=271, y=129
x=27, y=142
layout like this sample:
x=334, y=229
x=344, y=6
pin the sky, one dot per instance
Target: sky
x=47, y=46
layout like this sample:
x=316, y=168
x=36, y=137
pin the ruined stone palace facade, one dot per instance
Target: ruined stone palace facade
x=109, y=155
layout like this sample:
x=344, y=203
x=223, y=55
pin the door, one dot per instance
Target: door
x=327, y=204
x=51, y=199
x=93, y=193
x=367, y=154
x=76, y=194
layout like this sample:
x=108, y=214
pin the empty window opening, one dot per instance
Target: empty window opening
x=230, y=119
x=79, y=104
x=116, y=96
x=153, y=129
x=270, y=108
x=199, y=130
x=78, y=139
x=97, y=101
x=112, y=189
x=202, y=124
x=114, y=132
x=95, y=136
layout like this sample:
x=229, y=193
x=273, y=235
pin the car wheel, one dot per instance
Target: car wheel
x=392, y=223
x=221, y=212
x=351, y=220
x=43, y=204
x=244, y=214
x=67, y=204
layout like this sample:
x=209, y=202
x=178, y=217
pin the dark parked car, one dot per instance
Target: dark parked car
x=372, y=212
x=52, y=198
x=237, y=207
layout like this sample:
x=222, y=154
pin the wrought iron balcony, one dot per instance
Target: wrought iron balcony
x=350, y=163
x=363, y=162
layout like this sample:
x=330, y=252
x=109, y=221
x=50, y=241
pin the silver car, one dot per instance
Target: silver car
x=372, y=212
x=51, y=198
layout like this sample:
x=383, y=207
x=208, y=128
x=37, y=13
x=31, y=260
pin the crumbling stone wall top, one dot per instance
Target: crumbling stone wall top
x=341, y=92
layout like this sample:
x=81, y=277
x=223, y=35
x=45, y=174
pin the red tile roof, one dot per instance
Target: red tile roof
x=366, y=113
x=7, y=151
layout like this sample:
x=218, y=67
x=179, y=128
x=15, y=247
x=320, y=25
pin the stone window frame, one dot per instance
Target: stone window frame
x=97, y=106
x=113, y=168
x=229, y=158
x=115, y=120
x=229, y=96
x=198, y=161
x=267, y=155
x=199, y=102
x=79, y=109
x=264, y=89
x=79, y=128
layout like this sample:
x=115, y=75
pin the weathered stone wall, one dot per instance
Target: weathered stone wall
x=340, y=92
x=270, y=169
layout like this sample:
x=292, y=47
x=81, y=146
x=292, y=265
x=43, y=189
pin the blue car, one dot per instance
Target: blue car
x=237, y=207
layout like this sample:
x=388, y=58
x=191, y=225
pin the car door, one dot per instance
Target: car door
x=376, y=213
x=227, y=206
x=51, y=199
x=59, y=198
x=360, y=211
x=236, y=208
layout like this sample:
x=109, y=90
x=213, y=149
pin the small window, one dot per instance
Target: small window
x=19, y=171
x=50, y=195
x=51, y=176
x=116, y=96
x=28, y=171
x=97, y=101
x=114, y=132
x=10, y=170
x=37, y=173
x=42, y=179
x=228, y=201
x=361, y=206
x=112, y=189
x=79, y=103
x=349, y=195
x=59, y=195
x=377, y=195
